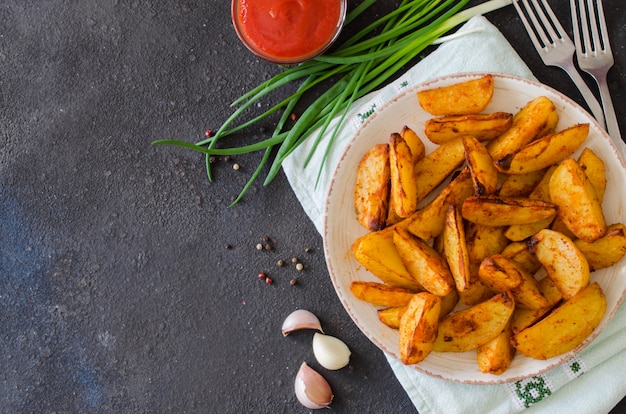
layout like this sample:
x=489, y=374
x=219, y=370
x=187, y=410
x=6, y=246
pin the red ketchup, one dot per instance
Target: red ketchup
x=288, y=31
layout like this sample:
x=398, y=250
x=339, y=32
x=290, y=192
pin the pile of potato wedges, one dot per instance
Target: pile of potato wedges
x=489, y=241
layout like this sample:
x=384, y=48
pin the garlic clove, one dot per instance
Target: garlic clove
x=331, y=353
x=311, y=389
x=300, y=319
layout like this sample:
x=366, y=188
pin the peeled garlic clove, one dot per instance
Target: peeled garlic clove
x=330, y=352
x=300, y=319
x=312, y=390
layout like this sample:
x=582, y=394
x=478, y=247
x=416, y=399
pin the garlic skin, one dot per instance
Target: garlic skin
x=331, y=353
x=311, y=389
x=300, y=319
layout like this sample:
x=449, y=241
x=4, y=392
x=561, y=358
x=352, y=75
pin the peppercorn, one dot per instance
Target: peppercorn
x=280, y=263
x=269, y=280
x=299, y=266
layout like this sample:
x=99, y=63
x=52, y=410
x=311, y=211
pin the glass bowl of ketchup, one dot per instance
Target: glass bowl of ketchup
x=288, y=31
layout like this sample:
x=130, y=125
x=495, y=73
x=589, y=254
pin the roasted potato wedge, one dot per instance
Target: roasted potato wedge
x=469, y=328
x=565, y=328
x=607, y=250
x=476, y=291
x=415, y=143
x=371, y=191
x=424, y=264
x=519, y=253
x=379, y=294
x=496, y=356
x=462, y=98
x=524, y=317
x=435, y=167
x=499, y=273
x=579, y=206
x=563, y=261
x=595, y=170
x=455, y=248
x=430, y=220
x=544, y=151
x=483, y=127
x=503, y=211
x=377, y=253
x=484, y=174
x=391, y=316
x=520, y=185
x=418, y=327
x=484, y=241
x=536, y=119
x=402, y=176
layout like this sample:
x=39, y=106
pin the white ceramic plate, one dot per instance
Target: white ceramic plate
x=341, y=227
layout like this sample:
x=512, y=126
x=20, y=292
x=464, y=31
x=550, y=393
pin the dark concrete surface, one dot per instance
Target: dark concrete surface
x=118, y=292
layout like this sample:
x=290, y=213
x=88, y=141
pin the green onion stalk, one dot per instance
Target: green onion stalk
x=361, y=64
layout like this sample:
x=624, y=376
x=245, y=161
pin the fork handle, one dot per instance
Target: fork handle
x=591, y=100
x=611, y=120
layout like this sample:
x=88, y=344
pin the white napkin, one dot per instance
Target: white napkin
x=563, y=389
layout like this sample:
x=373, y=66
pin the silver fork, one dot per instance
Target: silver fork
x=554, y=46
x=593, y=52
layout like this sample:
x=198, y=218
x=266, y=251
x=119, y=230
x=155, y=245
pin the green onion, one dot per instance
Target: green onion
x=360, y=65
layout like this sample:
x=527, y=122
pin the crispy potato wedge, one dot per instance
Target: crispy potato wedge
x=495, y=356
x=607, y=250
x=483, y=127
x=565, y=328
x=484, y=241
x=536, y=119
x=418, y=327
x=435, y=167
x=430, y=220
x=528, y=294
x=595, y=170
x=503, y=211
x=448, y=303
x=455, y=248
x=391, y=316
x=424, y=264
x=524, y=317
x=579, y=205
x=544, y=151
x=371, y=191
x=379, y=294
x=520, y=185
x=563, y=261
x=377, y=253
x=519, y=253
x=402, y=176
x=462, y=98
x=484, y=174
x=469, y=328
x=476, y=291
x=415, y=143
x=499, y=273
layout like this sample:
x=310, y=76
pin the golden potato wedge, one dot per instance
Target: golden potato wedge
x=430, y=220
x=595, y=170
x=607, y=250
x=371, y=191
x=469, y=328
x=476, y=291
x=391, y=316
x=519, y=253
x=379, y=294
x=483, y=127
x=418, y=327
x=499, y=273
x=544, y=151
x=448, y=303
x=424, y=264
x=455, y=248
x=462, y=98
x=503, y=211
x=563, y=261
x=484, y=241
x=435, y=167
x=528, y=294
x=565, y=328
x=402, y=176
x=536, y=119
x=415, y=143
x=523, y=317
x=520, y=185
x=377, y=253
x=484, y=174
x=579, y=206
x=495, y=356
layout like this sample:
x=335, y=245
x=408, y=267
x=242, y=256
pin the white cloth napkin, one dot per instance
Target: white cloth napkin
x=564, y=389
